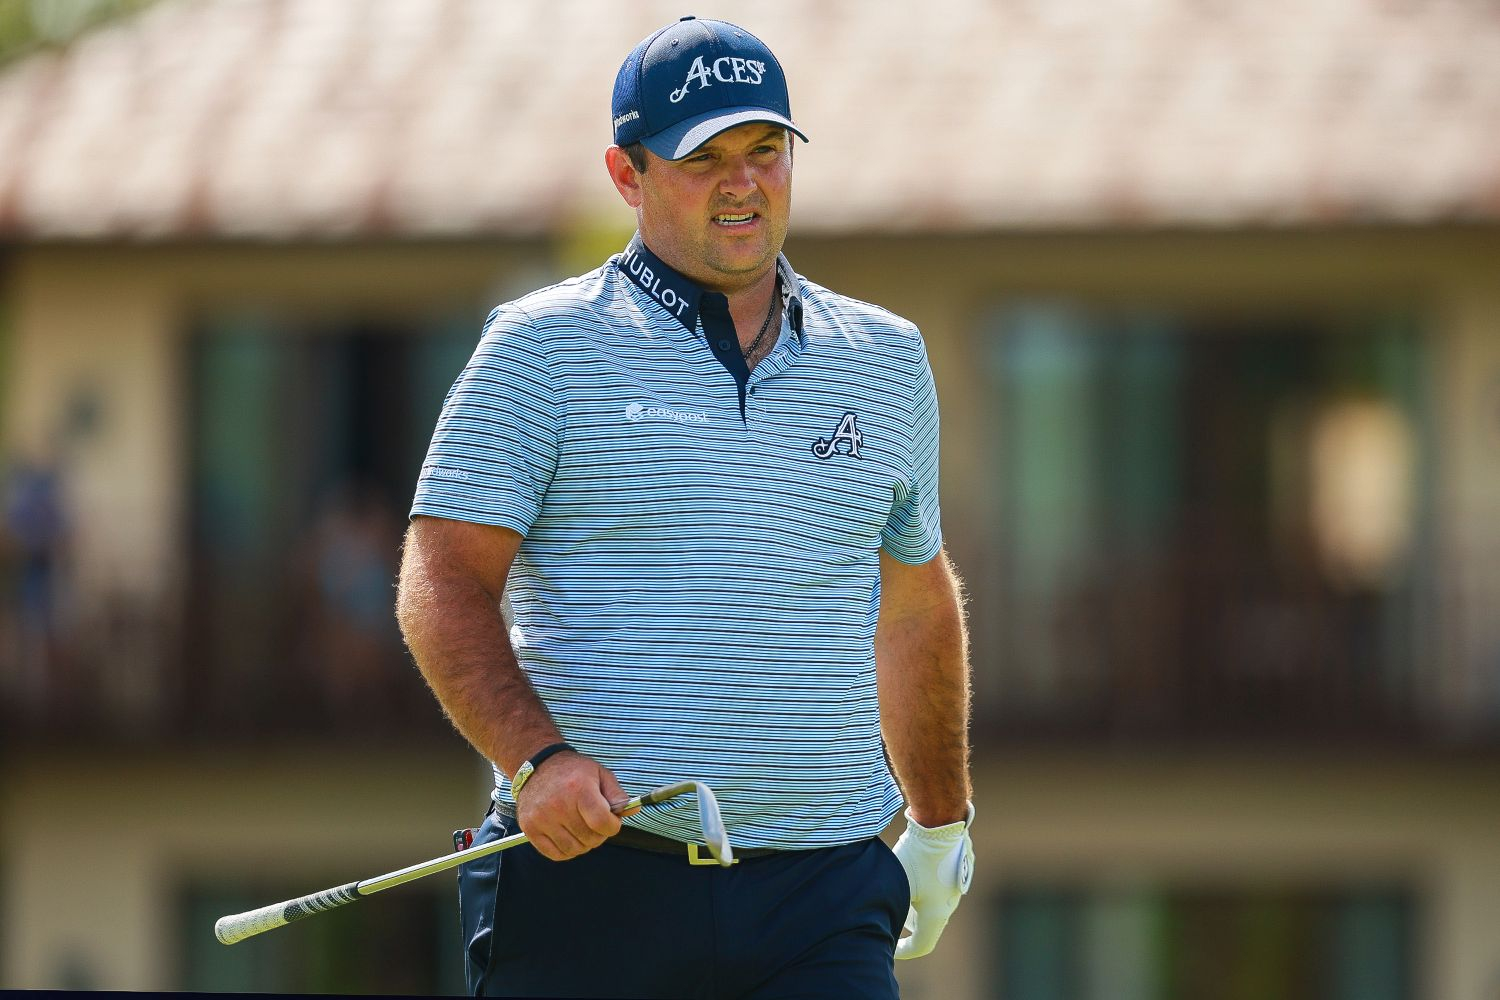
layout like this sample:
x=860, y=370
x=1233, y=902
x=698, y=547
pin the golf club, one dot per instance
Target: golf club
x=238, y=926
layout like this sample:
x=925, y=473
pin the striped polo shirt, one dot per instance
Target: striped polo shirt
x=697, y=589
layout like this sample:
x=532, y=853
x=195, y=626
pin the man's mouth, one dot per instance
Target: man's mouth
x=734, y=218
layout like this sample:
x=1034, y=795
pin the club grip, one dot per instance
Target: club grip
x=239, y=926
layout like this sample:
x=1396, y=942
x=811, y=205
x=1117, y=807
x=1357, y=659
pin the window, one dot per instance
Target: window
x=1208, y=523
x=306, y=442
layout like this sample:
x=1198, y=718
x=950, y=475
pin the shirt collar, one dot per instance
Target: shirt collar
x=682, y=297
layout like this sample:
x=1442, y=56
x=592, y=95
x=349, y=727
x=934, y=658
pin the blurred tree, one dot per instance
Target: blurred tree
x=27, y=25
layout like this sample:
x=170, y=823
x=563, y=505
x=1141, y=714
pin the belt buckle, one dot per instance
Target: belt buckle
x=694, y=858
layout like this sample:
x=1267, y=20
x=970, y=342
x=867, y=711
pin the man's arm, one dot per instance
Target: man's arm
x=452, y=576
x=922, y=666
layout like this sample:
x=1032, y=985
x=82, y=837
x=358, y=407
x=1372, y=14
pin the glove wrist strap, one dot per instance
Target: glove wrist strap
x=947, y=833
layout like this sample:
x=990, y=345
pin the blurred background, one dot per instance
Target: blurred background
x=1211, y=289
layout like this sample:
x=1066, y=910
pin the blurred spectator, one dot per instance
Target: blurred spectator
x=352, y=626
x=33, y=543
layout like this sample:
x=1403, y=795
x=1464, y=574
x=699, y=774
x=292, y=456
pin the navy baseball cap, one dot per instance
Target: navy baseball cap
x=693, y=79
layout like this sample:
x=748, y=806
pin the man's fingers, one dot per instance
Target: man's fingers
x=925, y=932
x=547, y=848
x=563, y=844
x=597, y=819
x=610, y=788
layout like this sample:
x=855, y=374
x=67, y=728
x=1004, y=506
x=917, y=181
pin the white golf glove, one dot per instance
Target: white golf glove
x=939, y=865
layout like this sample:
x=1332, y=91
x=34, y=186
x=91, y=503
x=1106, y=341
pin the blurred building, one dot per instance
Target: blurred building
x=1211, y=294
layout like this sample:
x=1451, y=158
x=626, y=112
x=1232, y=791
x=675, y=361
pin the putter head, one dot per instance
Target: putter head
x=710, y=820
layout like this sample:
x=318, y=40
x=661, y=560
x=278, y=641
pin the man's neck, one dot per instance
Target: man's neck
x=751, y=305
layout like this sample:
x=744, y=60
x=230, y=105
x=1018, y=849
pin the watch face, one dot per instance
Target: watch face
x=522, y=774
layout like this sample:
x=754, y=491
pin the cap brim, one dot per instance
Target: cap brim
x=681, y=139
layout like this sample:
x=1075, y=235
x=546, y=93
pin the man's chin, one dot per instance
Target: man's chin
x=742, y=265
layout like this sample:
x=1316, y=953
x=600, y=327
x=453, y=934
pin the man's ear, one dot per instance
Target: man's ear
x=627, y=179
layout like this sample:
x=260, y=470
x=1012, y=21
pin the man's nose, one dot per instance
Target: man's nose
x=739, y=179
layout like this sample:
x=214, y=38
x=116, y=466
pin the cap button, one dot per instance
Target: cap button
x=688, y=17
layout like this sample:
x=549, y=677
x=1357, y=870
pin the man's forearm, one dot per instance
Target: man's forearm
x=458, y=639
x=922, y=662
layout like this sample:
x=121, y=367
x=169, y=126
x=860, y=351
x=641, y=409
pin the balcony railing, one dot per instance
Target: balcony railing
x=1170, y=655
x=1184, y=652
x=262, y=669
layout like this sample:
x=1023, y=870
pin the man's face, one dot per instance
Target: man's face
x=719, y=215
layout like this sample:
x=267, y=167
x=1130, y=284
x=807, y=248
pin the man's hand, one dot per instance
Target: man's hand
x=565, y=807
x=939, y=865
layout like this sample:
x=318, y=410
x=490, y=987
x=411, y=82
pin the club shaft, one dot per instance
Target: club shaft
x=239, y=926
x=370, y=886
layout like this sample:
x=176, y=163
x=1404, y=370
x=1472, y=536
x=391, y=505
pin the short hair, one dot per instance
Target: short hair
x=637, y=153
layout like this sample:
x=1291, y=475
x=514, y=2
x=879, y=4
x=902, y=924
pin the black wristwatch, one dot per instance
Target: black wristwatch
x=528, y=767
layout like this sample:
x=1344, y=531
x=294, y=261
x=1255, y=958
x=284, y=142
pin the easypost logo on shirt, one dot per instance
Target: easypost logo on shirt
x=637, y=412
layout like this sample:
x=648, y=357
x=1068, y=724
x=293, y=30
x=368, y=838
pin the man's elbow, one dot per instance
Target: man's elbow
x=406, y=607
x=413, y=589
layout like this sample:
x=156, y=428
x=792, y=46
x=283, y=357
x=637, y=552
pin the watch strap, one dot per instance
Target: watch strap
x=528, y=767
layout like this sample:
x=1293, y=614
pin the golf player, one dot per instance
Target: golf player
x=709, y=489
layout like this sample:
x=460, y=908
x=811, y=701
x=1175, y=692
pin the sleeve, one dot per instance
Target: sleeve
x=495, y=448
x=914, y=532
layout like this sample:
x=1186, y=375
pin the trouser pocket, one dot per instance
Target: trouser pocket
x=898, y=886
x=478, y=891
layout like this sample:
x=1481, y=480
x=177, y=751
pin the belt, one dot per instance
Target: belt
x=642, y=840
x=697, y=854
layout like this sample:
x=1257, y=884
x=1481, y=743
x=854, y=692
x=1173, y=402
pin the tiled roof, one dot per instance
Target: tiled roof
x=353, y=118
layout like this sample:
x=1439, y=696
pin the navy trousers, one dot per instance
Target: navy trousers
x=620, y=922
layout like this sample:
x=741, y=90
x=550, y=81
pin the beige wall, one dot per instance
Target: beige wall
x=1469, y=500
x=92, y=851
